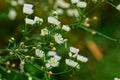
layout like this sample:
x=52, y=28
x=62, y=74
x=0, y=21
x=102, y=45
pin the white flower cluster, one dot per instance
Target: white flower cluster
x=81, y=4
x=53, y=61
x=74, y=54
x=57, y=36
x=27, y=9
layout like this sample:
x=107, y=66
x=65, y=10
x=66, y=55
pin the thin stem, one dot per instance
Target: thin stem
x=98, y=33
x=96, y=6
x=111, y=4
x=63, y=72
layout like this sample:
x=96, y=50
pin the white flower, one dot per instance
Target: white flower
x=71, y=63
x=57, y=57
x=39, y=53
x=72, y=12
x=27, y=9
x=72, y=54
x=44, y=32
x=13, y=3
x=53, y=20
x=74, y=1
x=82, y=4
x=51, y=53
x=66, y=28
x=29, y=21
x=58, y=38
x=116, y=78
x=12, y=14
x=74, y=50
x=62, y=4
x=82, y=58
x=118, y=7
x=53, y=62
x=59, y=11
x=38, y=20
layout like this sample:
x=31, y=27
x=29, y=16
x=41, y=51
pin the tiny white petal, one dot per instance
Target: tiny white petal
x=82, y=4
x=38, y=20
x=59, y=11
x=71, y=63
x=53, y=62
x=57, y=57
x=51, y=53
x=27, y=9
x=29, y=21
x=74, y=50
x=62, y=4
x=53, y=20
x=28, y=5
x=72, y=12
x=39, y=53
x=44, y=32
x=66, y=28
x=58, y=38
x=72, y=54
x=48, y=65
x=82, y=58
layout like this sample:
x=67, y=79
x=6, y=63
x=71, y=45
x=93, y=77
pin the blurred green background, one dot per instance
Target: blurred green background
x=103, y=54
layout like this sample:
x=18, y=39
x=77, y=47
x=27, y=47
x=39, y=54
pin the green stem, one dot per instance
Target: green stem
x=98, y=33
x=110, y=4
x=96, y=6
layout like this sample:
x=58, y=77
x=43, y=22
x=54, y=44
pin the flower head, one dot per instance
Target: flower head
x=71, y=63
x=81, y=4
x=44, y=32
x=66, y=28
x=39, y=53
x=72, y=12
x=53, y=20
x=74, y=50
x=38, y=20
x=29, y=21
x=82, y=58
x=52, y=62
x=27, y=9
x=58, y=38
x=52, y=53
